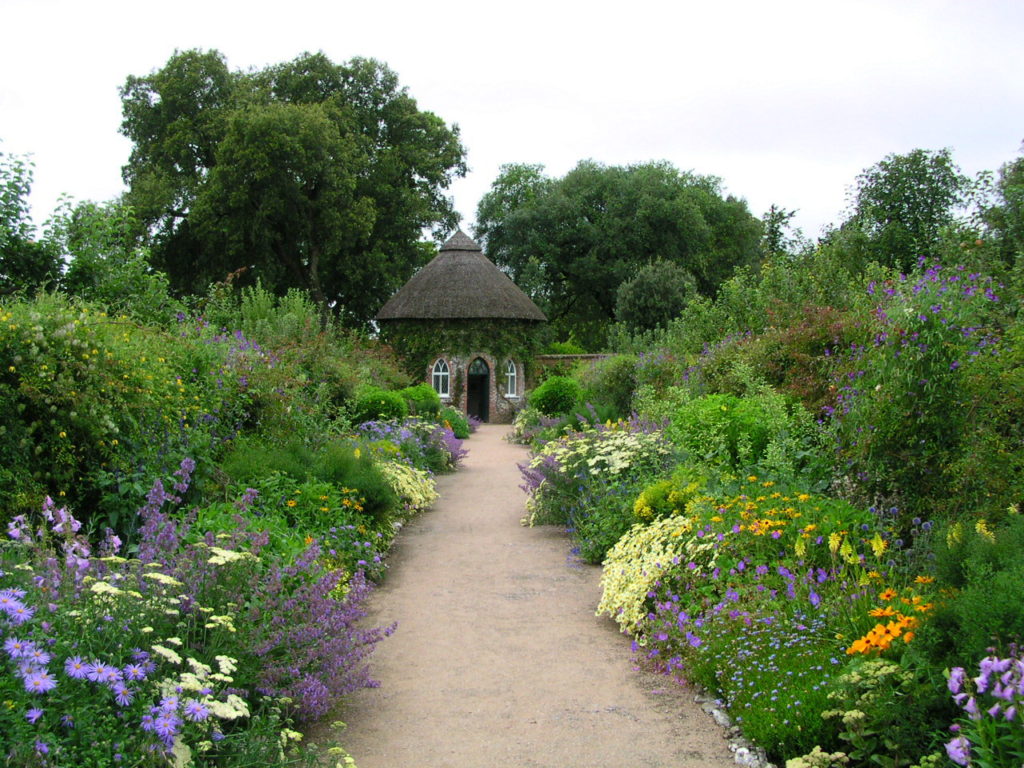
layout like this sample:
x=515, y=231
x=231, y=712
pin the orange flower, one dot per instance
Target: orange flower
x=882, y=612
x=887, y=594
x=924, y=579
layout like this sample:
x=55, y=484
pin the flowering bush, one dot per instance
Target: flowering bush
x=192, y=651
x=898, y=417
x=415, y=487
x=615, y=451
x=992, y=732
x=424, y=444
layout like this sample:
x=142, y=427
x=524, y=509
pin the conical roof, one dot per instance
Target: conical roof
x=460, y=283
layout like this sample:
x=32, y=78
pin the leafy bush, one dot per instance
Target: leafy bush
x=425, y=444
x=610, y=383
x=569, y=347
x=422, y=400
x=455, y=420
x=982, y=570
x=601, y=514
x=900, y=416
x=373, y=404
x=556, y=471
x=557, y=395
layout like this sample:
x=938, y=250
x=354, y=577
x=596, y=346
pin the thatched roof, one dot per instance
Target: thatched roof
x=460, y=283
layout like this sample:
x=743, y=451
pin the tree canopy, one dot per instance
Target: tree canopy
x=901, y=206
x=307, y=174
x=571, y=242
x=25, y=262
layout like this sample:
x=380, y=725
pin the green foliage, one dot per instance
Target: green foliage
x=373, y=403
x=25, y=264
x=654, y=297
x=306, y=174
x=456, y=419
x=569, y=243
x=885, y=712
x=669, y=497
x=569, y=347
x=338, y=462
x=557, y=395
x=901, y=206
x=901, y=413
x=983, y=570
x=106, y=265
x=420, y=342
x=610, y=383
x=422, y=400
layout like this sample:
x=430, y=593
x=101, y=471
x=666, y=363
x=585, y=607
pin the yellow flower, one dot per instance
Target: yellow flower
x=292, y=502
x=879, y=545
x=924, y=579
x=887, y=594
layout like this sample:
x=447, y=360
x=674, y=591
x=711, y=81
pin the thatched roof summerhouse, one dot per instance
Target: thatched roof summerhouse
x=469, y=329
x=460, y=283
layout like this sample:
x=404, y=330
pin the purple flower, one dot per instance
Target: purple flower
x=38, y=656
x=956, y=680
x=97, y=671
x=165, y=725
x=122, y=694
x=18, y=649
x=42, y=748
x=21, y=613
x=134, y=672
x=815, y=599
x=9, y=603
x=196, y=711
x=33, y=715
x=959, y=750
x=39, y=681
x=76, y=668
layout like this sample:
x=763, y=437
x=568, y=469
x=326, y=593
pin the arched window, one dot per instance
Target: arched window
x=442, y=379
x=510, y=380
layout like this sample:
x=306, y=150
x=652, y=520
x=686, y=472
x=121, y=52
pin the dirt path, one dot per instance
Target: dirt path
x=498, y=659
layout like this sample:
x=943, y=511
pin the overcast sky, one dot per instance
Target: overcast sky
x=785, y=101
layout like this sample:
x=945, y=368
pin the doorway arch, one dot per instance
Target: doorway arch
x=478, y=389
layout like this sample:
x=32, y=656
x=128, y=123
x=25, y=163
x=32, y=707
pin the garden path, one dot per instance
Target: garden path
x=498, y=659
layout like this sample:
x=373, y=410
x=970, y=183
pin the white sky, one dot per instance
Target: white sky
x=786, y=101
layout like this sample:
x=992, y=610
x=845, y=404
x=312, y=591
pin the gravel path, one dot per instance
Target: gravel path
x=498, y=659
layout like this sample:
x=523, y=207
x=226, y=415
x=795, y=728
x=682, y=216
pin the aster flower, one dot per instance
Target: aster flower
x=40, y=681
x=16, y=648
x=75, y=668
x=134, y=672
x=33, y=715
x=123, y=695
x=20, y=613
x=196, y=711
x=96, y=671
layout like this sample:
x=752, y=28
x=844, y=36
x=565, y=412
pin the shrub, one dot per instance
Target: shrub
x=456, y=420
x=373, y=403
x=611, y=383
x=557, y=395
x=555, y=472
x=900, y=413
x=982, y=570
x=174, y=675
x=422, y=400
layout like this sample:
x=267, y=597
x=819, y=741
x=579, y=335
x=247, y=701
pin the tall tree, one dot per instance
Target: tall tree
x=571, y=242
x=307, y=174
x=25, y=262
x=902, y=204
